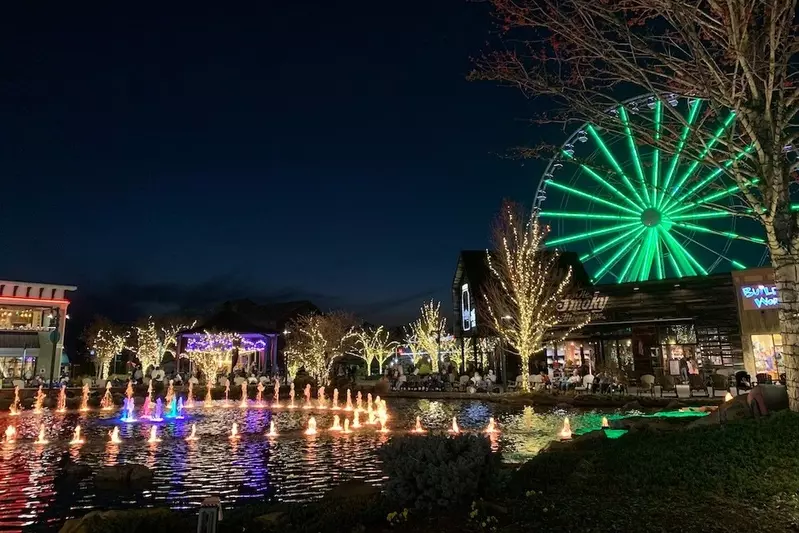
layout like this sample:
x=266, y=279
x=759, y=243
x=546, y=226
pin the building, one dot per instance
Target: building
x=260, y=327
x=758, y=309
x=643, y=328
x=32, y=322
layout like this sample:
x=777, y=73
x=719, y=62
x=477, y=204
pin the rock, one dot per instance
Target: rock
x=353, y=489
x=272, y=519
x=127, y=474
x=590, y=436
x=656, y=424
x=77, y=470
x=765, y=399
x=106, y=520
x=632, y=406
x=563, y=405
x=673, y=406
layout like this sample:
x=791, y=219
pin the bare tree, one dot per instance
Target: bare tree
x=525, y=287
x=316, y=341
x=155, y=339
x=212, y=353
x=738, y=57
x=426, y=332
x=373, y=345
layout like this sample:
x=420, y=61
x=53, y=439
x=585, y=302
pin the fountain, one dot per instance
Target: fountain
x=179, y=410
x=62, y=399
x=190, y=396
x=227, y=394
x=158, y=416
x=491, y=429
x=84, y=398
x=150, y=391
x=16, y=405
x=154, y=433
x=321, y=400
x=418, y=429
x=347, y=426
x=193, y=435
x=605, y=424
x=566, y=432
x=107, y=403
x=209, y=400
x=311, y=426
x=370, y=413
x=114, y=436
x=128, y=406
x=356, y=421
x=369, y=402
x=170, y=392
x=272, y=430
x=11, y=434
x=145, y=410
x=76, y=438
x=454, y=429
x=307, y=393
x=38, y=403
x=234, y=431
x=334, y=403
x=291, y=396
x=171, y=409
x=243, y=403
x=276, y=398
x=383, y=427
x=358, y=402
x=259, y=396
x=42, y=439
x=336, y=424
x=349, y=401
x=129, y=389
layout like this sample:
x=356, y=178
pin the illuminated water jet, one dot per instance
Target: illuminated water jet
x=348, y=407
x=566, y=432
x=454, y=429
x=334, y=402
x=146, y=408
x=158, y=415
x=42, y=438
x=347, y=426
x=321, y=400
x=84, y=398
x=243, y=402
x=358, y=402
x=276, y=397
x=38, y=403
x=418, y=428
x=129, y=390
x=190, y=396
x=234, y=431
x=209, y=399
x=605, y=424
x=11, y=434
x=193, y=435
x=128, y=414
x=114, y=436
x=179, y=409
x=259, y=396
x=16, y=405
x=272, y=429
x=336, y=424
x=311, y=426
x=356, y=420
x=62, y=399
x=291, y=396
x=77, y=440
x=170, y=392
x=307, y=394
x=227, y=394
x=492, y=427
x=107, y=403
x=154, y=434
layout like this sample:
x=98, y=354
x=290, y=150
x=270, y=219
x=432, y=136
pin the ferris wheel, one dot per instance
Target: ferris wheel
x=635, y=212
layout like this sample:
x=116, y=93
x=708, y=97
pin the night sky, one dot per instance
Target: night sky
x=308, y=150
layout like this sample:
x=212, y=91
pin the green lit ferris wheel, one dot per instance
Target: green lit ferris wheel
x=635, y=212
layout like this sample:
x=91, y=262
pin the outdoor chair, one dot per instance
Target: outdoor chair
x=588, y=380
x=667, y=385
x=463, y=382
x=695, y=383
x=719, y=382
x=647, y=384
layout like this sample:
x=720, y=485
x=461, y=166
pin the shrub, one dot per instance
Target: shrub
x=438, y=471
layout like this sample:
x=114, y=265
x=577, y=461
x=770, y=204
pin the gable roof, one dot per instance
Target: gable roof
x=245, y=316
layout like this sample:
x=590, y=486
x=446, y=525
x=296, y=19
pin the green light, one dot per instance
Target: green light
x=672, y=259
x=687, y=254
x=598, y=250
x=695, y=164
x=709, y=214
x=604, y=182
x=736, y=264
x=614, y=259
x=713, y=175
x=589, y=234
x=634, y=150
x=656, y=153
x=794, y=207
x=629, y=264
x=659, y=262
x=679, y=253
x=614, y=163
x=597, y=216
x=588, y=196
x=709, y=198
x=729, y=234
x=692, y=114
x=647, y=254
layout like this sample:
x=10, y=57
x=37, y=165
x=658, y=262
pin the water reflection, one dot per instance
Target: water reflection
x=34, y=487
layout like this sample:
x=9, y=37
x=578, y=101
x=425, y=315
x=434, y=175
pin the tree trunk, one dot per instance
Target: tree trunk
x=525, y=361
x=786, y=277
x=380, y=366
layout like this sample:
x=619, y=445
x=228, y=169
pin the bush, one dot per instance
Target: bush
x=438, y=471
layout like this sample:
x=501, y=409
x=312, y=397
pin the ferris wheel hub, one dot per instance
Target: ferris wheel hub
x=651, y=217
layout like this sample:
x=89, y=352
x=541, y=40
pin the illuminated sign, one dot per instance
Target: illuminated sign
x=584, y=302
x=760, y=297
x=467, y=312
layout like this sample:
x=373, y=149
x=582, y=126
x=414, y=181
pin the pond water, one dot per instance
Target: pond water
x=290, y=467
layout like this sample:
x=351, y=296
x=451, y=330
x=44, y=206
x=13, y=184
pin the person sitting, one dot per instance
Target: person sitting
x=491, y=377
x=178, y=379
x=252, y=380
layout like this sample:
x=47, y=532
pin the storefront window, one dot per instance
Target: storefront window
x=17, y=367
x=620, y=353
x=24, y=318
x=767, y=350
x=572, y=353
x=680, y=360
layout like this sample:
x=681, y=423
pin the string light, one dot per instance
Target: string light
x=154, y=342
x=526, y=286
x=106, y=342
x=373, y=345
x=427, y=333
x=317, y=341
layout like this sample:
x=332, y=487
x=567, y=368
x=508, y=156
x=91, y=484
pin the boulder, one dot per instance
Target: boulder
x=353, y=489
x=632, y=406
x=765, y=399
x=103, y=520
x=590, y=436
x=655, y=424
x=563, y=405
x=77, y=470
x=674, y=405
x=123, y=475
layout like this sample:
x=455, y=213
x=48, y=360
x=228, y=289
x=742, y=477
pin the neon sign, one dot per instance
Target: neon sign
x=760, y=297
x=467, y=313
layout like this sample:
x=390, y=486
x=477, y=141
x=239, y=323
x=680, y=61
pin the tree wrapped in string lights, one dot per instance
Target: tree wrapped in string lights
x=212, y=353
x=716, y=139
x=525, y=287
x=373, y=344
x=154, y=340
x=107, y=340
x=316, y=341
x=425, y=334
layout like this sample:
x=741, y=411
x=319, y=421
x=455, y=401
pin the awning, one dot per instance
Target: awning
x=64, y=358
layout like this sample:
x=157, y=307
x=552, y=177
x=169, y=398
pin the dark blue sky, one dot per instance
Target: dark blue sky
x=328, y=150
